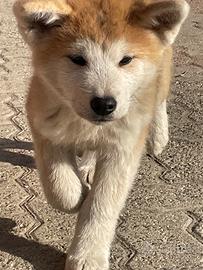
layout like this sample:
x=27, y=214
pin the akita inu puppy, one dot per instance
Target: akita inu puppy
x=101, y=79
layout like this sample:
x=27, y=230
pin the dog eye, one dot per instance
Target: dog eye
x=78, y=60
x=125, y=61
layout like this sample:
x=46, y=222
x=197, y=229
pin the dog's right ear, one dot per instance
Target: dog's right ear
x=36, y=18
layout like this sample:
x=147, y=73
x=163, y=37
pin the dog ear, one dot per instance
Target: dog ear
x=163, y=17
x=36, y=18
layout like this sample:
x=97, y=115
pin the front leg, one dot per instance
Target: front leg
x=58, y=174
x=158, y=137
x=100, y=211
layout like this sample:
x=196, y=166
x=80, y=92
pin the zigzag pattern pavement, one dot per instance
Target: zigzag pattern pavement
x=161, y=227
x=25, y=204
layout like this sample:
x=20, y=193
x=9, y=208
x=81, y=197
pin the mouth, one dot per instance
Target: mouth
x=102, y=120
x=97, y=120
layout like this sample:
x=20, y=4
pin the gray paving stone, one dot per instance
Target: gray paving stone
x=161, y=227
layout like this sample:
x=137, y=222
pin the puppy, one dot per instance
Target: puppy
x=101, y=78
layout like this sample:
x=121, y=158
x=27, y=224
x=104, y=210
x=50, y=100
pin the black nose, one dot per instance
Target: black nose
x=103, y=106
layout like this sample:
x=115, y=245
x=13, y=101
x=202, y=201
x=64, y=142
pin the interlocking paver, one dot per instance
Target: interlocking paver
x=161, y=227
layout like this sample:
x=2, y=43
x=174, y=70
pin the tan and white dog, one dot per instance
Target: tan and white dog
x=101, y=79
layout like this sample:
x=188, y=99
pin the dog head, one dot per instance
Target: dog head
x=99, y=55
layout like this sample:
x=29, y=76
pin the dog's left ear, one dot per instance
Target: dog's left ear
x=164, y=17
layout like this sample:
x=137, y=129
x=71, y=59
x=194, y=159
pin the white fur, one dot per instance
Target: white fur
x=86, y=167
x=49, y=17
x=61, y=167
x=113, y=169
x=91, y=249
x=159, y=131
x=102, y=77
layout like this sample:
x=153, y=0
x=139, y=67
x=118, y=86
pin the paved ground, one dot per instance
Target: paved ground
x=162, y=224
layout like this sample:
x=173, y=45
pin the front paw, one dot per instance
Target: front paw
x=86, y=167
x=157, y=141
x=158, y=136
x=88, y=263
x=159, y=145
